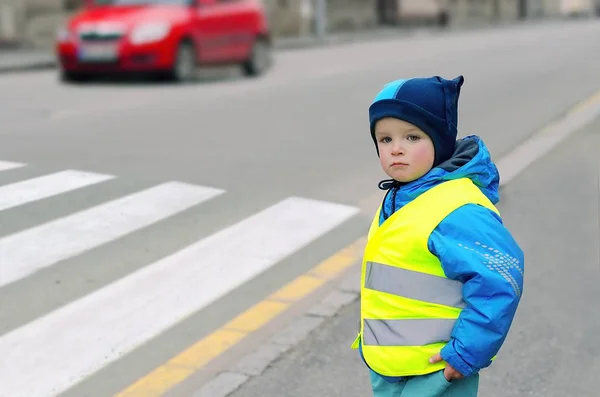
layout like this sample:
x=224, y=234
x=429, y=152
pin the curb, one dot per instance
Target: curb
x=257, y=362
x=334, y=39
x=18, y=59
x=33, y=66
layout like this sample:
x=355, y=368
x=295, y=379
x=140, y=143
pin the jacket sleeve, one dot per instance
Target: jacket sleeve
x=475, y=248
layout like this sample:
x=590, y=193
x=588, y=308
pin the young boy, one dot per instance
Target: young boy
x=441, y=276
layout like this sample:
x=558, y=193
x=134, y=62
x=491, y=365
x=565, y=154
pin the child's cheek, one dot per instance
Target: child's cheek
x=383, y=159
x=419, y=155
x=423, y=155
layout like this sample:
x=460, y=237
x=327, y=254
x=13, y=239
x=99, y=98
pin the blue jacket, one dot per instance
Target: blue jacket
x=461, y=241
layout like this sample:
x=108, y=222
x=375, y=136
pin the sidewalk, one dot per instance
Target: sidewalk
x=12, y=60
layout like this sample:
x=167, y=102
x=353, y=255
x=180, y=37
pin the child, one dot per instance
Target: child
x=441, y=276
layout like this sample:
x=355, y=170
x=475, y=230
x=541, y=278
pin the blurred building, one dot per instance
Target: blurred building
x=298, y=17
x=34, y=23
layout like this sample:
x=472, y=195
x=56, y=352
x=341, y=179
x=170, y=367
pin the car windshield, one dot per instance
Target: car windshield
x=140, y=2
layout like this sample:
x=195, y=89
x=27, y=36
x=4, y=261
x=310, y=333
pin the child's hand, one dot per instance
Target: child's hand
x=449, y=372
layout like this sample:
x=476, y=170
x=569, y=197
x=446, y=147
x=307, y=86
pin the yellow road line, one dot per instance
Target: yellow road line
x=583, y=105
x=180, y=367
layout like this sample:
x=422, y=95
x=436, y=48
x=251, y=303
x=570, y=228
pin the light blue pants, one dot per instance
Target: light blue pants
x=431, y=385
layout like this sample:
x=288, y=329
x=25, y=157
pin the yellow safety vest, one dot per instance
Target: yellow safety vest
x=408, y=305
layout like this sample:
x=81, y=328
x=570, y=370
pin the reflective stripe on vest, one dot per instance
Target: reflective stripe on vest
x=414, y=285
x=407, y=332
x=408, y=305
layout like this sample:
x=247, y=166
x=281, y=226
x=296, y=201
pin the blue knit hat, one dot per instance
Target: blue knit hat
x=430, y=103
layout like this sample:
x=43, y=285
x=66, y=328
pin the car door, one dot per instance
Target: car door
x=235, y=19
x=209, y=31
x=240, y=15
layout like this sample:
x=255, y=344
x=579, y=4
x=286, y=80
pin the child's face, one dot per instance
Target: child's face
x=406, y=153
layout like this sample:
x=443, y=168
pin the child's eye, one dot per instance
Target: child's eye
x=413, y=138
x=385, y=139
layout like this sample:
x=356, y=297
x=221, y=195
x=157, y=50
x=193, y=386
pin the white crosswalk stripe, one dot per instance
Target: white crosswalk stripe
x=52, y=353
x=42, y=246
x=46, y=186
x=7, y=165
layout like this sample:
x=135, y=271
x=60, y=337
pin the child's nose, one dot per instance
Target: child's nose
x=398, y=149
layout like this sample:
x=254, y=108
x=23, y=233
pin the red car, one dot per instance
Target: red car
x=170, y=37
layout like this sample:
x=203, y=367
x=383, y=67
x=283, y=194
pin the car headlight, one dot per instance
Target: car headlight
x=149, y=32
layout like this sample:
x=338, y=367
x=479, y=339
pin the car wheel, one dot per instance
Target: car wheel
x=260, y=59
x=184, y=68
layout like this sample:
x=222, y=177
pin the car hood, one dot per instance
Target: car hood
x=126, y=17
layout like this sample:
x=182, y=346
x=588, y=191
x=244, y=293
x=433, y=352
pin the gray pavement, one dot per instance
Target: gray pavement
x=552, y=349
x=301, y=131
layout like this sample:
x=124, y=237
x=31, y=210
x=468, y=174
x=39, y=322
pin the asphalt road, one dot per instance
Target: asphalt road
x=92, y=298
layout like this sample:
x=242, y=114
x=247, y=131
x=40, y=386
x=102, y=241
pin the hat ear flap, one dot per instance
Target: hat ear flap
x=452, y=90
x=459, y=81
